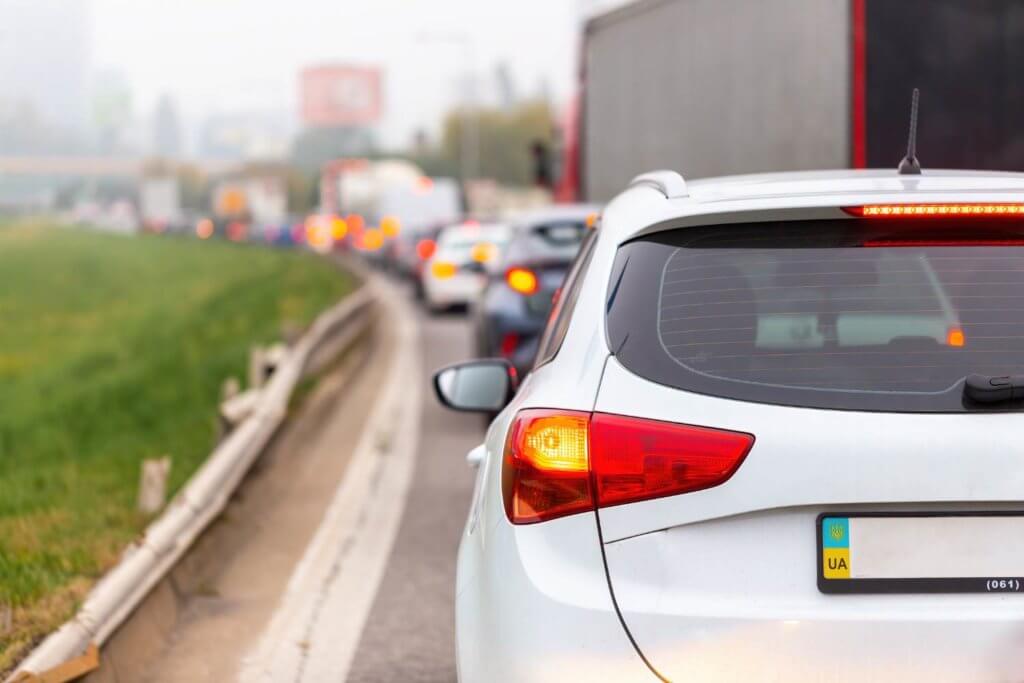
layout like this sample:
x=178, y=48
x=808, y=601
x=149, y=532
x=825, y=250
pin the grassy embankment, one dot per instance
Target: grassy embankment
x=112, y=350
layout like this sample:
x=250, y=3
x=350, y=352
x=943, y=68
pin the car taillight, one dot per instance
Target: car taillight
x=425, y=248
x=509, y=342
x=442, y=270
x=546, y=473
x=635, y=459
x=373, y=239
x=522, y=280
x=560, y=463
x=484, y=252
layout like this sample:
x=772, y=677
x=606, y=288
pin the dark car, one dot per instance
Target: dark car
x=515, y=304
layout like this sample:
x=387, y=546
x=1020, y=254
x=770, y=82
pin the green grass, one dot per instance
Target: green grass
x=113, y=350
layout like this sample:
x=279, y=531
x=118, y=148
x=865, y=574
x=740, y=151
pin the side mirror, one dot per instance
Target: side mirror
x=476, y=386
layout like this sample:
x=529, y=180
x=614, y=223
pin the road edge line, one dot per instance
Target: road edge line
x=354, y=532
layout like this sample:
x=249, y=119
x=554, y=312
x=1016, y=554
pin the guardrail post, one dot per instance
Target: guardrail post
x=153, y=484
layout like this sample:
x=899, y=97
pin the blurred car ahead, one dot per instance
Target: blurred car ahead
x=415, y=251
x=772, y=433
x=411, y=249
x=518, y=297
x=407, y=213
x=457, y=271
x=403, y=212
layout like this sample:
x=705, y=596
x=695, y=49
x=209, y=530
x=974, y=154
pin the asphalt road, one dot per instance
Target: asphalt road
x=409, y=635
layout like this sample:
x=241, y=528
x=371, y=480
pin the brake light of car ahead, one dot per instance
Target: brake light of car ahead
x=522, y=280
x=425, y=248
x=559, y=463
x=442, y=270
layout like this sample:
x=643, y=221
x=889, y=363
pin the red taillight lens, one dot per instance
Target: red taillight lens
x=635, y=459
x=425, y=249
x=522, y=280
x=559, y=463
x=509, y=342
x=546, y=473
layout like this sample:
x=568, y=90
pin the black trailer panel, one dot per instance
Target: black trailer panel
x=967, y=57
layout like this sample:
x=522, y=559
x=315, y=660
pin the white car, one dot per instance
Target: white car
x=772, y=434
x=456, y=273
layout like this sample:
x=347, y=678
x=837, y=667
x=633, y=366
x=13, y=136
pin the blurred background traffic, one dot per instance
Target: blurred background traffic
x=464, y=147
x=368, y=127
x=426, y=138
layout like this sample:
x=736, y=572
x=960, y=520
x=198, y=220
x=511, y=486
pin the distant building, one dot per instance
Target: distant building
x=246, y=136
x=167, y=129
x=112, y=112
x=45, y=59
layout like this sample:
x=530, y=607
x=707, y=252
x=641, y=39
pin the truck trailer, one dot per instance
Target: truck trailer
x=720, y=87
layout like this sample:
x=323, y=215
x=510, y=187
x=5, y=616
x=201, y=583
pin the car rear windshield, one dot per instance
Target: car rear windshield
x=554, y=242
x=460, y=242
x=886, y=315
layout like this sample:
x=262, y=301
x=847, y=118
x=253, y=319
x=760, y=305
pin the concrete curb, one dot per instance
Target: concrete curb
x=202, y=499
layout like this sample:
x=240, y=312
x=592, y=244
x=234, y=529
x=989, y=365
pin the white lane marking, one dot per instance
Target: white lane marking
x=315, y=630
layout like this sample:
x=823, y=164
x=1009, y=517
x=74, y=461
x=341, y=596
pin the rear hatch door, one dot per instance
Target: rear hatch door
x=841, y=346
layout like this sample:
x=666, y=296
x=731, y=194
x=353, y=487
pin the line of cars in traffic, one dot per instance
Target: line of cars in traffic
x=506, y=273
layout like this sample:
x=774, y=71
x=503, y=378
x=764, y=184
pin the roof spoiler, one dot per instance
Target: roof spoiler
x=669, y=183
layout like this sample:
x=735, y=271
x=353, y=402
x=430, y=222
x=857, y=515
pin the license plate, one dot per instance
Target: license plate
x=921, y=553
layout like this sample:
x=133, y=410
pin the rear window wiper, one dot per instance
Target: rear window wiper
x=999, y=389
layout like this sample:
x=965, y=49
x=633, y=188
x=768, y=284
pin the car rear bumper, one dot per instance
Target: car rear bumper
x=536, y=607
x=797, y=651
x=460, y=289
x=736, y=599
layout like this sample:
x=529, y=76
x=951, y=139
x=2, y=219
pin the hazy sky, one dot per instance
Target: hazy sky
x=218, y=56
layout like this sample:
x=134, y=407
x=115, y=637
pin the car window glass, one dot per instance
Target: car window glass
x=561, y=313
x=830, y=314
x=550, y=242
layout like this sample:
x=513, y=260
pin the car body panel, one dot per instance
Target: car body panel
x=461, y=289
x=735, y=599
x=812, y=456
x=799, y=195
x=532, y=601
x=533, y=605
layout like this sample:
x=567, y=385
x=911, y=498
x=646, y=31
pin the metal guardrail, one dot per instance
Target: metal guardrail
x=202, y=499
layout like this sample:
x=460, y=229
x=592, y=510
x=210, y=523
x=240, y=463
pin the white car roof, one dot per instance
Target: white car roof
x=847, y=181
x=662, y=200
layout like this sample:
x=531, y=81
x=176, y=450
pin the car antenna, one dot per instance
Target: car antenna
x=910, y=164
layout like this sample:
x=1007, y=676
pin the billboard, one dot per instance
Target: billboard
x=338, y=95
